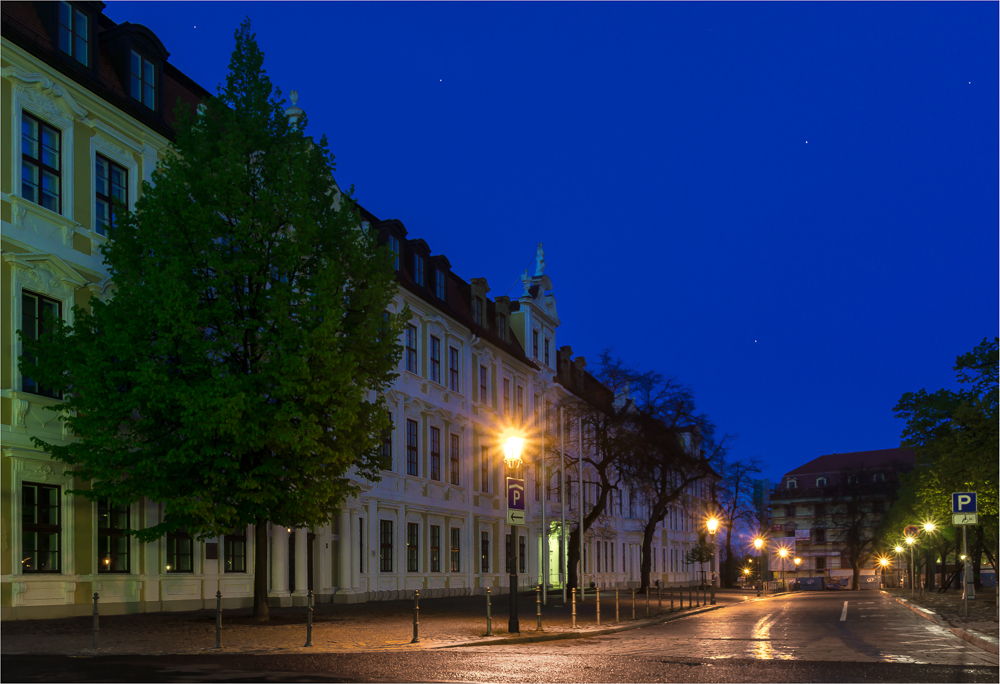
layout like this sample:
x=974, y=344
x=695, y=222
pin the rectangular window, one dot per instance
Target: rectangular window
x=110, y=184
x=520, y=403
x=522, y=553
x=506, y=396
x=385, y=546
x=41, y=528
x=394, y=248
x=112, y=537
x=435, y=454
x=361, y=545
x=484, y=552
x=40, y=163
x=453, y=368
x=820, y=536
x=412, y=547
x=484, y=470
x=547, y=351
x=484, y=397
x=180, y=552
x=412, y=464
x=73, y=34
x=789, y=511
x=235, y=550
x=502, y=327
x=820, y=563
x=454, y=458
x=435, y=548
x=534, y=344
x=435, y=359
x=387, y=446
x=439, y=284
x=418, y=270
x=35, y=309
x=411, y=348
x=477, y=310
x=456, y=549
x=143, y=80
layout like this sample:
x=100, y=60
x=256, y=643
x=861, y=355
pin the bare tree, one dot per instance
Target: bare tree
x=734, y=496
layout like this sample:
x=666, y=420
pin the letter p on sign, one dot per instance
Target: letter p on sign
x=963, y=502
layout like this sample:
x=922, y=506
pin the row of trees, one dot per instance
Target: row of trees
x=643, y=437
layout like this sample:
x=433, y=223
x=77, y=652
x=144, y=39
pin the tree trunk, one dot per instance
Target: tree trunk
x=929, y=570
x=647, y=556
x=856, y=577
x=261, y=613
x=572, y=558
x=729, y=555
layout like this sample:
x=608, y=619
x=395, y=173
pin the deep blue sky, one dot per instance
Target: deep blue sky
x=660, y=152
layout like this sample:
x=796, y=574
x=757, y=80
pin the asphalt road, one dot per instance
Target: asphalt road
x=798, y=638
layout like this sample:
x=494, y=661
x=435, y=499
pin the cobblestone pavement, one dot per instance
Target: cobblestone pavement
x=949, y=605
x=378, y=626
x=810, y=626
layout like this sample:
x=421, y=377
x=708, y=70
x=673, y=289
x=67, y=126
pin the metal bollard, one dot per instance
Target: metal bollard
x=97, y=621
x=633, y=603
x=616, y=606
x=489, y=619
x=538, y=605
x=309, y=620
x=597, y=595
x=218, y=619
x=573, y=595
x=416, y=617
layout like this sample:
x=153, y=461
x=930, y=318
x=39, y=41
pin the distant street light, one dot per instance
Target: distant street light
x=758, y=544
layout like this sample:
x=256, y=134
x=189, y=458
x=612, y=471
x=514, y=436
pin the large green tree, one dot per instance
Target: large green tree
x=235, y=373
x=955, y=434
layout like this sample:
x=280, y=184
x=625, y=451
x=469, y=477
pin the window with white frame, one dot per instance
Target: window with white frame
x=394, y=248
x=435, y=359
x=74, y=33
x=143, y=80
x=37, y=312
x=41, y=163
x=411, y=348
x=41, y=528
x=110, y=184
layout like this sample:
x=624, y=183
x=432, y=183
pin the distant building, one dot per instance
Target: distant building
x=807, y=507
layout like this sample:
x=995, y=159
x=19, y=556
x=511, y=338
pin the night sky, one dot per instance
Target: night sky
x=790, y=207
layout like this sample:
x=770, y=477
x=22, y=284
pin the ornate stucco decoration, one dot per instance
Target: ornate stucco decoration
x=46, y=271
x=45, y=94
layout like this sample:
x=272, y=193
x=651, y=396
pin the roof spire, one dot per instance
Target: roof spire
x=294, y=113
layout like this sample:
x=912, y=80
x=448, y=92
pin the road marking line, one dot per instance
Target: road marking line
x=843, y=614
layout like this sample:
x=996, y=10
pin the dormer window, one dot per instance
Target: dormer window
x=143, y=80
x=394, y=248
x=418, y=270
x=74, y=33
x=879, y=477
x=820, y=481
x=439, y=284
x=502, y=327
x=477, y=310
x=792, y=484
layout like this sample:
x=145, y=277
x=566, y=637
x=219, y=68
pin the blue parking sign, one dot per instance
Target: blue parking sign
x=963, y=502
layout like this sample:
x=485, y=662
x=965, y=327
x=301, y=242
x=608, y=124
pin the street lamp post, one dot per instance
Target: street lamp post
x=885, y=564
x=910, y=541
x=512, y=458
x=783, y=552
x=899, y=576
x=758, y=544
x=798, y=562
x=713, y=526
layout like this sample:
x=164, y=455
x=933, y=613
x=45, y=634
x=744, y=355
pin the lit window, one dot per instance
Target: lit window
x=73, y=34
x=110, y=182
x=143, y=80
x=40, y=528
x=40, y=163
x=112, y=540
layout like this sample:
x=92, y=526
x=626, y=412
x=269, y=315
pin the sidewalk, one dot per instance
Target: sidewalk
x=378, y=626
x=980, y=628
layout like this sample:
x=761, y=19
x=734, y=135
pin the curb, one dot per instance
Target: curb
x=983, y=641
x=557, y=636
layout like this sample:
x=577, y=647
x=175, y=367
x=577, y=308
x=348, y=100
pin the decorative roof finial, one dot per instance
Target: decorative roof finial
x=539, y=261
x=526, y=283
x=294, y=113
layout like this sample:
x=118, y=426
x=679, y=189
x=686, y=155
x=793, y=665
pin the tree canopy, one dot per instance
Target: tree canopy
x=234, y=375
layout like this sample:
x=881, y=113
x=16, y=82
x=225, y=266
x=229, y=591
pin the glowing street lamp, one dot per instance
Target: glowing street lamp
x=713, y=526
x=885, y=563
x=911, y=541
x=758, y=544
x=783, y=552
x=512, y=459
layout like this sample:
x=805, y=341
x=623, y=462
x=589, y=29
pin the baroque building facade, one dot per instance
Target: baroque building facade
x=87, y=112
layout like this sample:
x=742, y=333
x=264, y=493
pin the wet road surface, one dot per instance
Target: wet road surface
x=798, y=638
